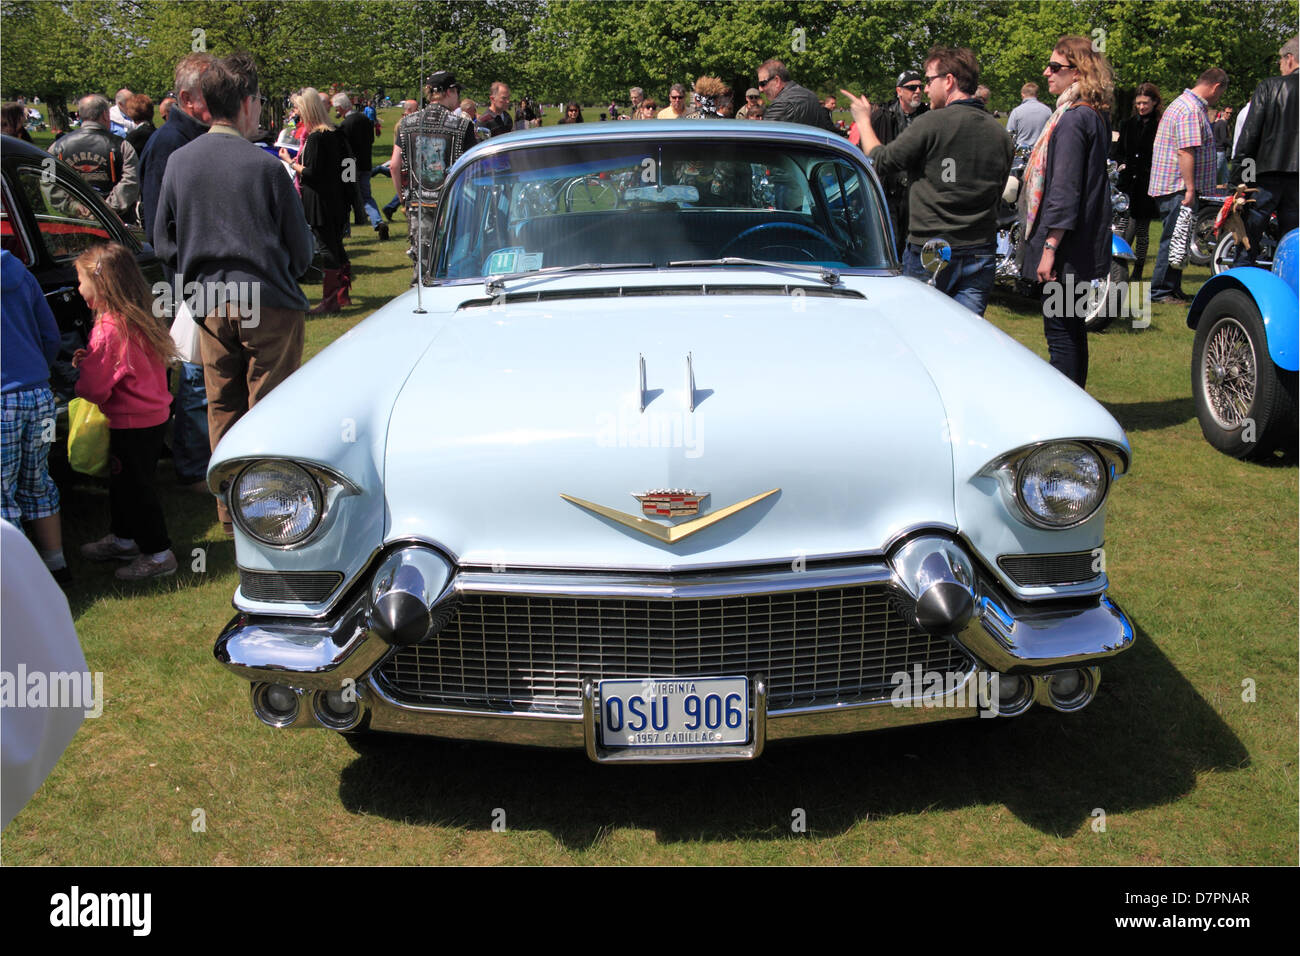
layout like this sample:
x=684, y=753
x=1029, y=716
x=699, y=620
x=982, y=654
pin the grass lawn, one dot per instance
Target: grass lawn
x=1201, y=551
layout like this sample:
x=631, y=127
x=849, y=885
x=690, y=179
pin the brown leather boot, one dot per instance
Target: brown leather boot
x=329, y=302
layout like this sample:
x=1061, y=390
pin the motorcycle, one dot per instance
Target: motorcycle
x=1226, y=250
x=1205, y=234
x=1105, y=304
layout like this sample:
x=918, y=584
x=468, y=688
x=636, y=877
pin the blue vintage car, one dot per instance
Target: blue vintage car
x=667, y=460
x=1245, y=356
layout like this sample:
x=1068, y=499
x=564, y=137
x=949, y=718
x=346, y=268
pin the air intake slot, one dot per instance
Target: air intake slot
x=618, y=292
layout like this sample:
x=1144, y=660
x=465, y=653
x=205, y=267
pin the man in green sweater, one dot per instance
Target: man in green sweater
x=957, y=158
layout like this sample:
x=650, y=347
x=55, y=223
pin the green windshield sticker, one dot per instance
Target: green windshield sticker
x=504, y=261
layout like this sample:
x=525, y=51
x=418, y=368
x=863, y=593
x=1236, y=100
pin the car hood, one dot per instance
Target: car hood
x=820, y=397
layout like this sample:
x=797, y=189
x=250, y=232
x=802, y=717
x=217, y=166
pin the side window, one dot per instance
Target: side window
x=68, y=224
x=11, y=232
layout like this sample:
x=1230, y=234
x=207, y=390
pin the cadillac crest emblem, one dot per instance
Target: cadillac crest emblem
x=670, y=503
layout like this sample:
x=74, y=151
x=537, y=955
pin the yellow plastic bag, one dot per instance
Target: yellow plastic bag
x=87, y=438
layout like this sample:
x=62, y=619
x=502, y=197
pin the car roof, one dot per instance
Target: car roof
x=20, y=147
x=663, y=131
x=794, y=133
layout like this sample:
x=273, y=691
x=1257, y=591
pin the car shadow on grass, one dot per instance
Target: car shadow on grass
x=1140, y=744
x=1152, y=416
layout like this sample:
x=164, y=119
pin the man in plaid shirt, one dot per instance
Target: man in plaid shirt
x=1182, y=165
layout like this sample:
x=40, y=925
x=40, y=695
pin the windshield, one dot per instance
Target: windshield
x=523, y=210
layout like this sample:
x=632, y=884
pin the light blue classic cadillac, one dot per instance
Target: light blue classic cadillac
x=666, y=460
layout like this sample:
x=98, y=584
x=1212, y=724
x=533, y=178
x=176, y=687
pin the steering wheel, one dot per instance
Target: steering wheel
x=793, y=227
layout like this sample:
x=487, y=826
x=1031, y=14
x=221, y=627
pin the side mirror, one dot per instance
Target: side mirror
x=935, y=255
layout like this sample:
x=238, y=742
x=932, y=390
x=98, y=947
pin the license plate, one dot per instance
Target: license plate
x=674, y=712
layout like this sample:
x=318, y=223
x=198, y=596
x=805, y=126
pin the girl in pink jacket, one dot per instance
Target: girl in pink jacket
x=125, y=373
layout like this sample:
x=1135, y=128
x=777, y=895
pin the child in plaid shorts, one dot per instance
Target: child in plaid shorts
x=30, y=343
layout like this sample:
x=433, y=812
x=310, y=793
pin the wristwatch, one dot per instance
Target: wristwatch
x=1050, y=245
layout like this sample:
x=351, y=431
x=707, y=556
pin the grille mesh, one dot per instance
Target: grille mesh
x=306, y=587
x=532, y=653
x=1037, y=570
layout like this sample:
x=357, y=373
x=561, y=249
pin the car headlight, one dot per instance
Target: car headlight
x=1061, y=484
x=276, y=502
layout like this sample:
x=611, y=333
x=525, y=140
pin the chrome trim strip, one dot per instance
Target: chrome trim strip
x=670, y=588
x=690, y=381
x=677, y=568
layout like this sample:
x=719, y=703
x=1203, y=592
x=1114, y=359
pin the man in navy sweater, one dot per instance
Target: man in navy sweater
x=228, y=218
x=187, y=120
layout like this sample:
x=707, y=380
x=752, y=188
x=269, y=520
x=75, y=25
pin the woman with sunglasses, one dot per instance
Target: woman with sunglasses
x=1066, y=199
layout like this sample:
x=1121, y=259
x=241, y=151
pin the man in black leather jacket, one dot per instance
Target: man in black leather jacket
x=1267, y=149
x=887, y=123
x=105, y=160
x=789, y=102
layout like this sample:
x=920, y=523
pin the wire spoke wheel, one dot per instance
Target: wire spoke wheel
x=1246, y=404
x=1229, y=374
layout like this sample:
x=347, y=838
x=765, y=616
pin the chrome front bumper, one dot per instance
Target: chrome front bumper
x=313, y=658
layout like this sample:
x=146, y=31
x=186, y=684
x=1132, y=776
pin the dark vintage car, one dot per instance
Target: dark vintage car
x=51, y=216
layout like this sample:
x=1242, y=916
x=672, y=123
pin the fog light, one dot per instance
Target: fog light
x=1015, y=694
x=1066, y=685
x=275, y=704
x=337, y=709
x=281, y=699
x=1072, y=689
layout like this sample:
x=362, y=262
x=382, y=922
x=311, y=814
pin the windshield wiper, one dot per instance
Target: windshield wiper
x=494, y=284
x=829, y=276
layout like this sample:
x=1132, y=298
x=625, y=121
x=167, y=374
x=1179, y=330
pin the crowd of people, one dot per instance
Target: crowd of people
x=223, y=212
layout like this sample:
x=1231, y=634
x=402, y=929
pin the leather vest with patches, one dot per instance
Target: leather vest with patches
x=96, y=154
x=431, y=141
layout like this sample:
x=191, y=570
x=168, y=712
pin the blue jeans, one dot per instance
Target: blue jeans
x=390, y=207
x=190, y=447
x=1067, y=336
x=368, y=201
x=968, y=277
x=1164, y=280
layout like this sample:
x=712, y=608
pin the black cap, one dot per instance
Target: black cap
x=443, y=80
x=909, y=76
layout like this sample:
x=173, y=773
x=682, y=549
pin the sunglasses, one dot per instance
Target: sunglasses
x=930, y=79
x=763, y=83
x=675, y=96
x=914, y=87
x=1055, y=67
